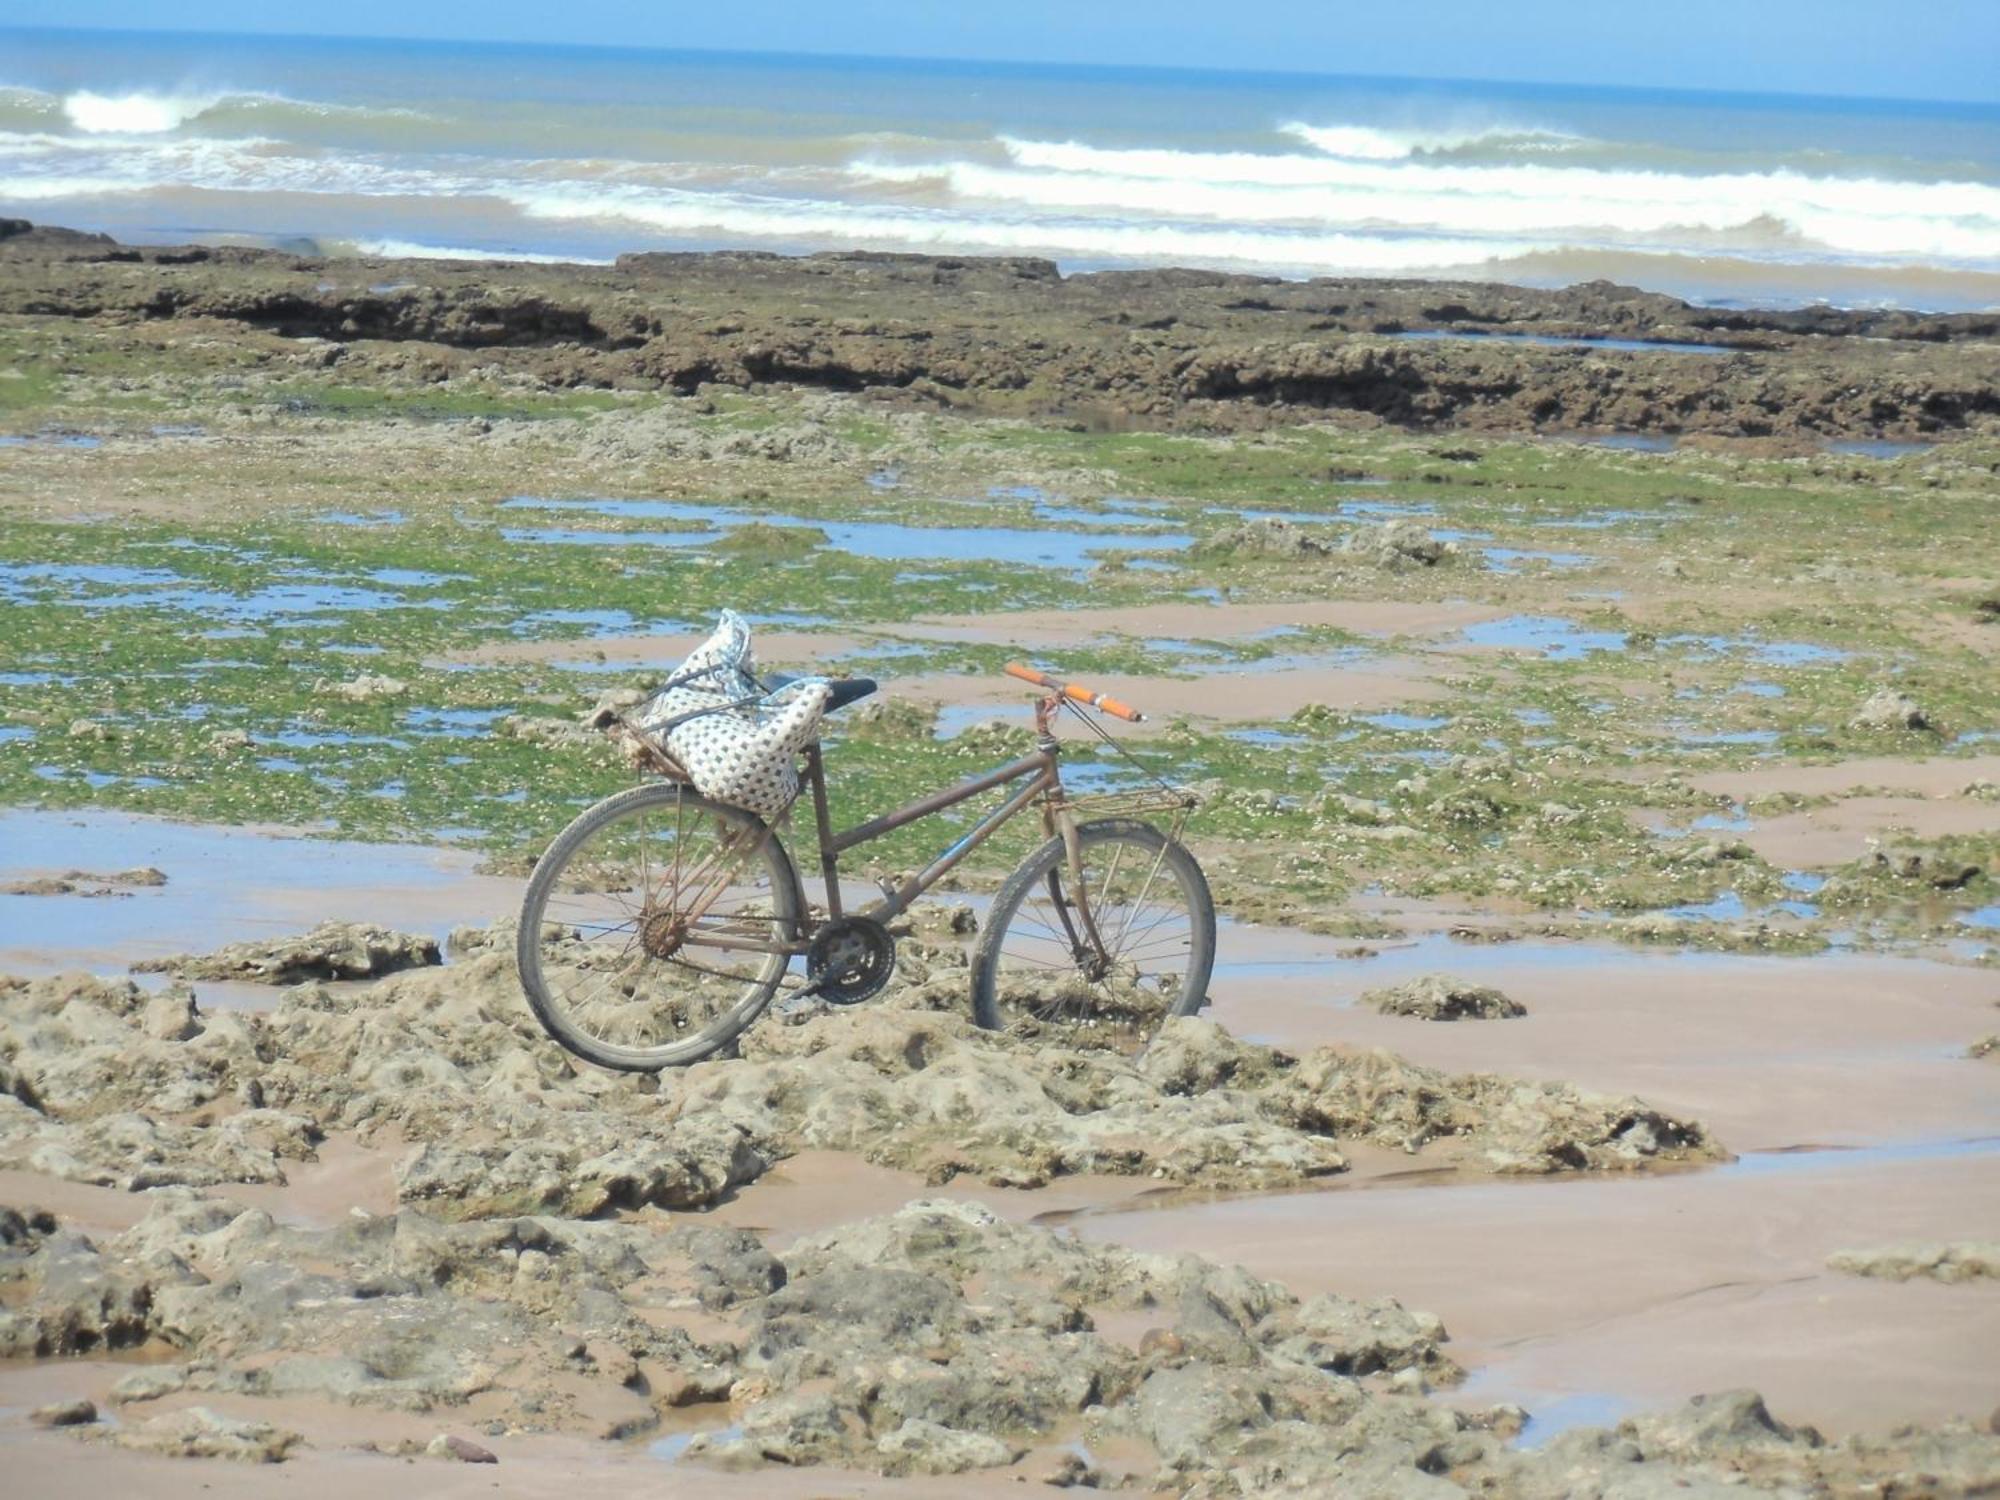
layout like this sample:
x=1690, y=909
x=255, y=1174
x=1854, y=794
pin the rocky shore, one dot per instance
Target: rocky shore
x=525, y=1279
x=1188, y=349
x=1604, y=833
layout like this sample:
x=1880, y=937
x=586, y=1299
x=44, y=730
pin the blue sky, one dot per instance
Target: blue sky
x=1920, y=49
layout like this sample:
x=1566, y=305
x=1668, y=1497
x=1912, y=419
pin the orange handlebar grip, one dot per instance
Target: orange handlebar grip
x=1116, y=709
x=1076, y=693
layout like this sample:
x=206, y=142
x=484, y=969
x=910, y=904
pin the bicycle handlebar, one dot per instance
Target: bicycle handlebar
x=1076, y=693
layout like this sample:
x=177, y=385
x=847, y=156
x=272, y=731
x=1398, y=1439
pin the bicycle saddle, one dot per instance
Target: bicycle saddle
x=846, y=690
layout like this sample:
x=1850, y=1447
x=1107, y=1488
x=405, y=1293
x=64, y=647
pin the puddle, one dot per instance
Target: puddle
x=1269, y=739
x=223, y=885
x=15, y=733
x=51, y=440
x=1565, y=640
x=364, y=518
x=1771, y=653
x=96, y=780
x=1877, y=448
x=953, y=719
x=1728, y=737
x=885, y=479
x=673, y=1447
x=1986, y=918
x=1513, y=559
x=884, y=541
x=1730, y=822
x=1558, y=639
x=598, y=622
x=1605, y=520
x=1845, y=1158
x=94, y=586
x=1406, y=722
x=1624, y=442
x=454, y=723
x=1558, y=341
x=1730, y=907
x=415, y=578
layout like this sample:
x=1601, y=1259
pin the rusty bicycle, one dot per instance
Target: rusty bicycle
x=661, y=923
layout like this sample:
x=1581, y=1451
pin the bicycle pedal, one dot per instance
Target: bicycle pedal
x=796, y=1010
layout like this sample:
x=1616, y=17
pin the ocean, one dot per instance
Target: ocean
x=410, y=148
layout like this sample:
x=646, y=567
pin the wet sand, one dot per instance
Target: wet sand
x=1603, y=1296
x=1637, y=1292
x=539, y=1468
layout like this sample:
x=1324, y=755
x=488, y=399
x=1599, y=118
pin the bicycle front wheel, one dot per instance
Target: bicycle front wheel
x=656, y=928
x=1040, y=971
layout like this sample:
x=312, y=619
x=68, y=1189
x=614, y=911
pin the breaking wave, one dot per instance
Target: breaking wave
x=1369, y=143
x=155, y=112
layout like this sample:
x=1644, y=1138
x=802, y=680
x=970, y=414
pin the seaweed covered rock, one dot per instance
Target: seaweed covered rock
x=106, y=1084
x=1440, y=997
x=332, y=950
x=1966, y=1261
x=1396, y=546
x=1271, y=537
x=1889, y=711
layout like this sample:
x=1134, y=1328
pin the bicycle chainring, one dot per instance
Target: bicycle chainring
x=850, y=960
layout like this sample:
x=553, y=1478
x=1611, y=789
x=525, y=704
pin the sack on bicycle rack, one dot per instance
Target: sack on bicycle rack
x=741, y=753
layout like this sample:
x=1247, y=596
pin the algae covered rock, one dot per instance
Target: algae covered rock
x=1397, y=546
x=1965, y=1261
x=1889, y=711
x=332, y=950
x=201, y=1433
x=1440, y=997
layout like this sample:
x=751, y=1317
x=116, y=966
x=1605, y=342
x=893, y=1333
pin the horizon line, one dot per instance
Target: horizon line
x=1192, y=70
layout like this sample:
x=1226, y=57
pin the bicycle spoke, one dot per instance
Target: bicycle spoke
x=1114, y=982
x=660, y=925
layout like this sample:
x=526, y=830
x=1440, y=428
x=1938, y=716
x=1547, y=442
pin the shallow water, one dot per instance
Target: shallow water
x=887, y=541
x=1559, y=639
x=1852, y=1158
x=50, y=440
x=223, y=885
x=95, y=586
x=1511, y=559
x=1632, y=442
x=1877, y=448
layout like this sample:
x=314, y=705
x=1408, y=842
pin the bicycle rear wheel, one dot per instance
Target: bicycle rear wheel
x=656, y=928
x=1036, y=970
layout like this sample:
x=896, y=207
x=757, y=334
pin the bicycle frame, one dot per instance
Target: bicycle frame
x=1039, y=770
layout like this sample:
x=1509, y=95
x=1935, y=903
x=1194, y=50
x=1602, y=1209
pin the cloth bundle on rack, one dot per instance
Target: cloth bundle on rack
x=741, y=752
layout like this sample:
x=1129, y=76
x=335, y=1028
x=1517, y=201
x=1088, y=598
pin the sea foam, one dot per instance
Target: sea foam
x=1371, y=143
x=134, y=114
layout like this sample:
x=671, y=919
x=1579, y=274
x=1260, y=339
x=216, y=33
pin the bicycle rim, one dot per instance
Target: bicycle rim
x=1042, y=974
x=662, y=922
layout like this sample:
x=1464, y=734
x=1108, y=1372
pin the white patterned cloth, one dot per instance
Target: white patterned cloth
x=746, y=756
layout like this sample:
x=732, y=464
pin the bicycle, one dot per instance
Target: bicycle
x=660, y=924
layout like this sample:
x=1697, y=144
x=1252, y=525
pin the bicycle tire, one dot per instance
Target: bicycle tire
x=992, y=1012
x=788, y=905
